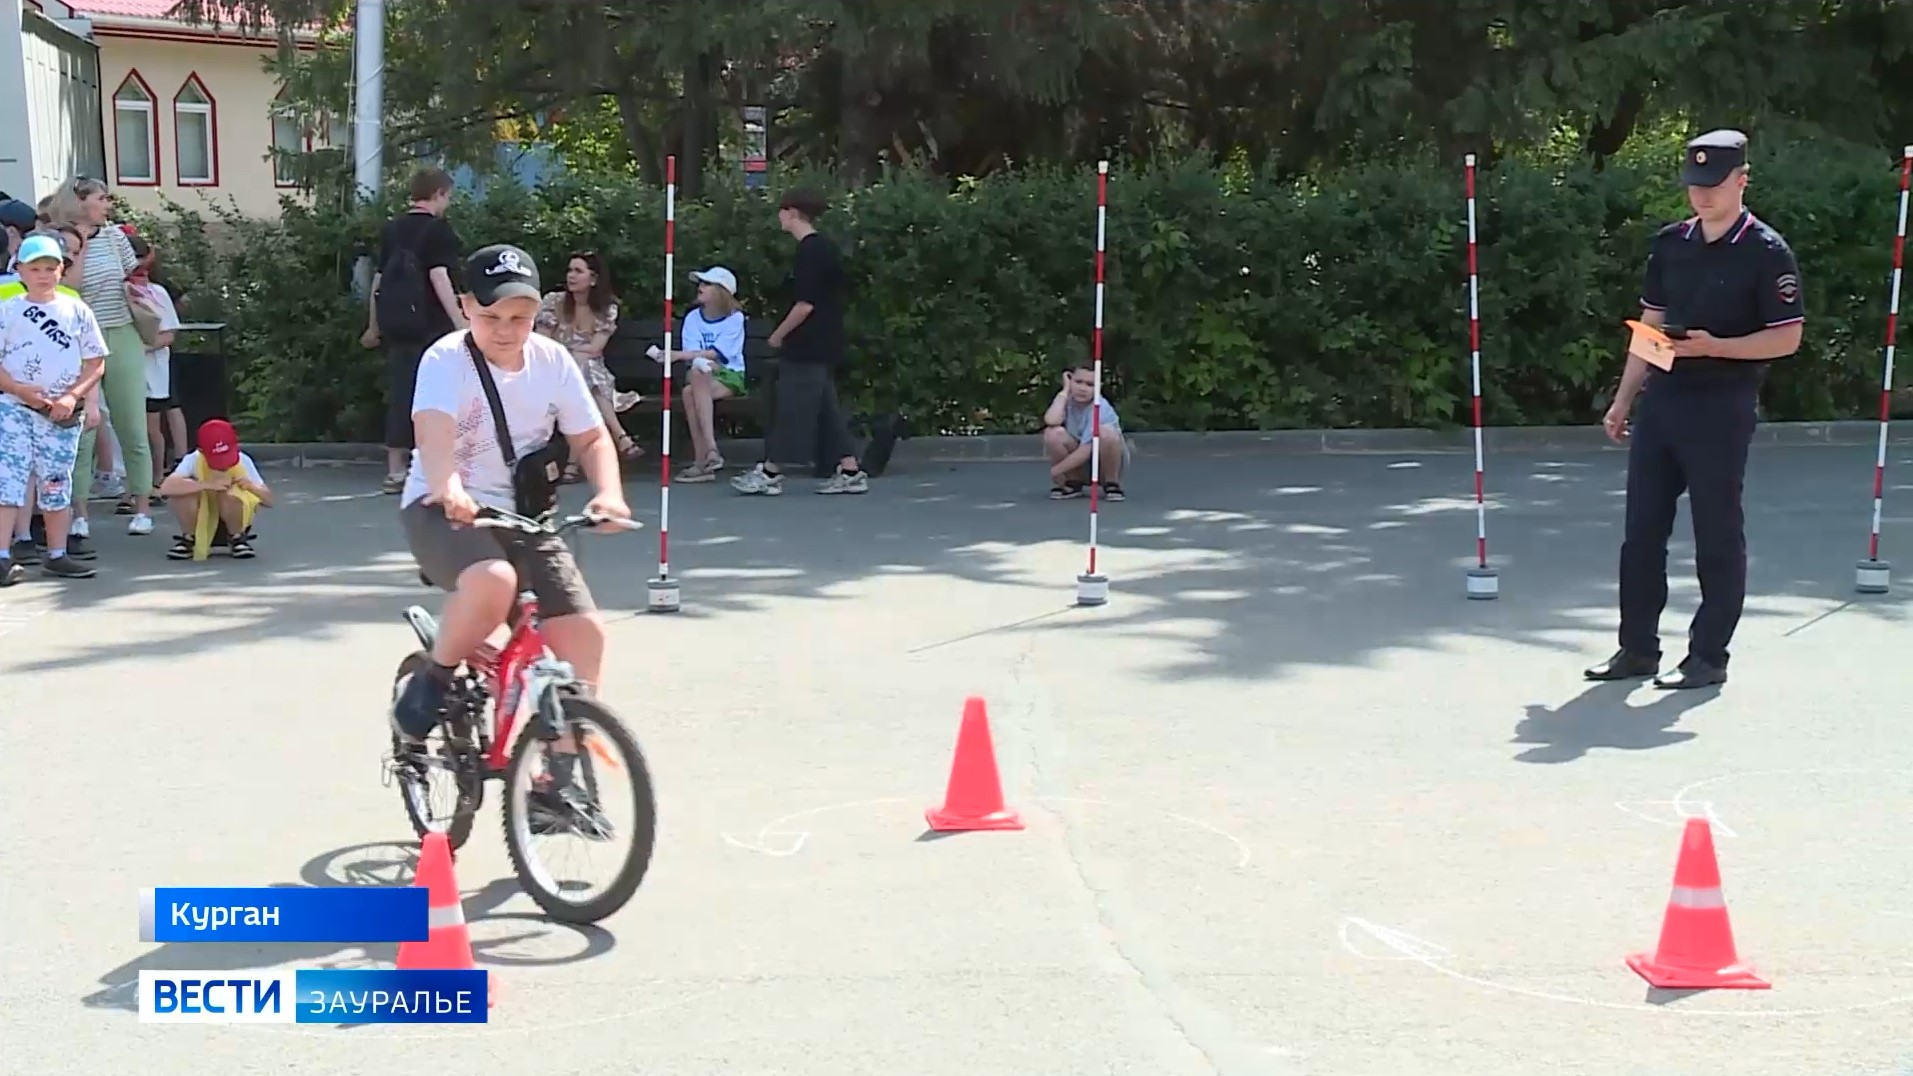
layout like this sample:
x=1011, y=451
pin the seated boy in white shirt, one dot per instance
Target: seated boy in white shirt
x=215, y=488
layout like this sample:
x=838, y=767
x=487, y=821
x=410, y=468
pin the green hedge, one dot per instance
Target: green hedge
x=1236, y=299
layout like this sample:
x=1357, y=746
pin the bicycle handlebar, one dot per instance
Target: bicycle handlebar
x=502, y=520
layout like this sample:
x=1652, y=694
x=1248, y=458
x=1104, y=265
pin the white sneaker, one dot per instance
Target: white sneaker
x=140, y=524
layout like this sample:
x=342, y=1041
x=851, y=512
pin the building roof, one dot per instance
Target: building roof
x=145, y=17
x=142, y=9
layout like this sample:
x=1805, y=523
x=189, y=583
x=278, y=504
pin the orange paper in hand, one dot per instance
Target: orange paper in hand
x=1653, y=346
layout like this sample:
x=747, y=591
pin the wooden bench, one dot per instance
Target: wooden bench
x=635, y=371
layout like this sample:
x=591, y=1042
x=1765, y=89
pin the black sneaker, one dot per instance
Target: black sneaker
x=12, y=573
x=67, y=568
x=80, y=547
x=181, y=549
x=23, y=551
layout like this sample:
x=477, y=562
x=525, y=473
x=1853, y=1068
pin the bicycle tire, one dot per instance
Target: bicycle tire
x=578, y=708
x=471, y=784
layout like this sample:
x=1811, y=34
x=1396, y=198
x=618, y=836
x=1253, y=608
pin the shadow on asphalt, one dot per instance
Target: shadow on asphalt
x=1243, y=568
x=376, y=864
x=1600, y=717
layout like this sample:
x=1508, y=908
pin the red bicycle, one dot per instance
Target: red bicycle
x=521, y=716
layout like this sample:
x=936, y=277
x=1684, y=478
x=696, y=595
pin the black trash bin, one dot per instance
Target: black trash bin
x=200, y=383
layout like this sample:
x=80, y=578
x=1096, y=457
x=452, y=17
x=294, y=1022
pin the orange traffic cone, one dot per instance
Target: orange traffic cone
x=1696, y=950
x=448, y=946
x=974, y=799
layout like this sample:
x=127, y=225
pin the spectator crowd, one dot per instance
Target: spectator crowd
x=87, y=322
x=89, y=412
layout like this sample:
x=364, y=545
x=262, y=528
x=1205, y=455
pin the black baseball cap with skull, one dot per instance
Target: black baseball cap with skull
x=501, y=271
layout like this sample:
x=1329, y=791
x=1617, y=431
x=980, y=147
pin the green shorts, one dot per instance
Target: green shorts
x=729, y=378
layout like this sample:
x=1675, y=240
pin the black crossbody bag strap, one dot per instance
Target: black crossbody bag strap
x=497, y=406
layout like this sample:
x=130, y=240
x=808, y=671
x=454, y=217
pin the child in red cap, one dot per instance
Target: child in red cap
x=215, y=484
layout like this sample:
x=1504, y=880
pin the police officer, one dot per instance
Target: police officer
x=1725, y=286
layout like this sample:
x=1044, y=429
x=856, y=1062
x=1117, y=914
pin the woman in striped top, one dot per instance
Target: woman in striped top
x=109, y=259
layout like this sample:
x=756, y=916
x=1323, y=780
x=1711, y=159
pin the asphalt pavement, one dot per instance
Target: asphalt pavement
x=1294, y=804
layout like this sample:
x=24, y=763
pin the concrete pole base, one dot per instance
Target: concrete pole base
x=1092, y=589
x=662, y=596
x=1872, y=577
x=1484, y=584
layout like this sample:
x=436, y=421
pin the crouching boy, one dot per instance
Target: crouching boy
x=216, y=488
x=1069, y=426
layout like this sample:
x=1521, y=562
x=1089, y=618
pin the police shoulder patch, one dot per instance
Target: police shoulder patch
x=1787, y=286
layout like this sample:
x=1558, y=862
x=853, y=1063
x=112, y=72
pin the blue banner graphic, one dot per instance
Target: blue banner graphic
x=368, y=996
x=345, y=914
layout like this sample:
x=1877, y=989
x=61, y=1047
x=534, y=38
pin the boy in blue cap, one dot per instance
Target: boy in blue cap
x=52, y=354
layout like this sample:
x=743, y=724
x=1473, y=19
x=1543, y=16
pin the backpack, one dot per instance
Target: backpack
x=405, y=293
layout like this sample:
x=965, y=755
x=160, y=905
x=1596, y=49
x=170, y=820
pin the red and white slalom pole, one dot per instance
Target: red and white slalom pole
x=1092, y=587
x=1483, y=583
x=1873, y=575
x=663, y=597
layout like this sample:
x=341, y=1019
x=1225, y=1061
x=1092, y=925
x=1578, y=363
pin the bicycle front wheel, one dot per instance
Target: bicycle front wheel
x=593, y=803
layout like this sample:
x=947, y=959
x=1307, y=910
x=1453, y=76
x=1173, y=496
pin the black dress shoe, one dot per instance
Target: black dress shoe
x=1692, y=673
x=1625, y=665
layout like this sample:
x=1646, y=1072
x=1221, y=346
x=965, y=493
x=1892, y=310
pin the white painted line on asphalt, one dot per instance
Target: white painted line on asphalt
x=1673, y=813
x=776, y=839
x=1686, y=809
x=1416, y=950
x=780, y=840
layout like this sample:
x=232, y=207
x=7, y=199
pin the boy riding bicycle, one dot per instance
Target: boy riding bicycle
x=500, y=377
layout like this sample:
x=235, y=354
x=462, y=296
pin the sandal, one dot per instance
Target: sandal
x=629, y=450
x=394, y=483
x=1113, y=492
x=1063, y=491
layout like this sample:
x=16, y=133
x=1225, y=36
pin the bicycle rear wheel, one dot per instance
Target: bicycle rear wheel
x=448, y=751
x=608, y=762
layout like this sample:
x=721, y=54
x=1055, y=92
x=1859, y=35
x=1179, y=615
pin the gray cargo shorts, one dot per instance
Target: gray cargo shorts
x=544, y=563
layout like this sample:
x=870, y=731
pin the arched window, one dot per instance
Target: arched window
x=195, y=135
x=135, y=133
x=289, y=142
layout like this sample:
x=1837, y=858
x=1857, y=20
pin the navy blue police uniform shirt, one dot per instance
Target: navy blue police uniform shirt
x=1737, y=285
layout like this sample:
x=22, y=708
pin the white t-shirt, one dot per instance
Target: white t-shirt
x=159, y=360
x=189, y=467
x=547, y=396
x=724, y=336
x=43, y=344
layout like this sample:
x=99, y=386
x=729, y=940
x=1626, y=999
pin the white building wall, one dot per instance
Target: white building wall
x=49, y=104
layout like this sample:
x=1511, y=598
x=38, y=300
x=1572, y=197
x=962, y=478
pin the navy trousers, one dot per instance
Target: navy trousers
x=1693, y=439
